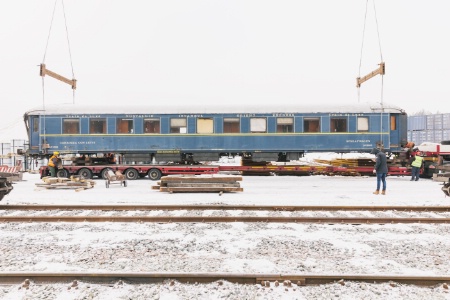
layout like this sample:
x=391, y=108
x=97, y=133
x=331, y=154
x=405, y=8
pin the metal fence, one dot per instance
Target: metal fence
x=9, y=155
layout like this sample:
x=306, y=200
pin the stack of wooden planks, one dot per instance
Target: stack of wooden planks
x=75, y=182
x=199, y=183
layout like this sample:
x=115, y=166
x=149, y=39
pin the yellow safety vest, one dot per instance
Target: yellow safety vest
x=417, y=161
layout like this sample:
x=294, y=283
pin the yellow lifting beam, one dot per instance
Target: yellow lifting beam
x=381, y=70
x=44, y=71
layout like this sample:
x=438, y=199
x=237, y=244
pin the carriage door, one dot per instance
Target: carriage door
x=398, y=131
x=393, y=132
x=34, y=132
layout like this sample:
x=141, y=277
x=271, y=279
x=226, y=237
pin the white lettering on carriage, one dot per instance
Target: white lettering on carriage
x=282, y=115
x=345, y=115
x=79, y=143
x=190, y=116
x=357, y=141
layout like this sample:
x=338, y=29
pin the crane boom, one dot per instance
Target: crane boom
x=381, y=70
x=71, y=82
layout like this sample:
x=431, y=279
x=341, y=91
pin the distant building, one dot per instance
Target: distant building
x=429, y=128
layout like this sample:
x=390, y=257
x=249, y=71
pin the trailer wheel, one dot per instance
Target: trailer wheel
x=86, y=173
x=154, y=174
x=62, y=173
x=104, y=171
x=131, y=174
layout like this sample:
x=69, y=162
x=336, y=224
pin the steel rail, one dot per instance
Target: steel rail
x=226, y=207
x=225, y=219
x=242, y=278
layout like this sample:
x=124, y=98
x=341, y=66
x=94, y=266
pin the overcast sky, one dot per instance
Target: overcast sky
x=223, y=52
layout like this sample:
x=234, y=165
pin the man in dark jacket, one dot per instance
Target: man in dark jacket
x=380, y=169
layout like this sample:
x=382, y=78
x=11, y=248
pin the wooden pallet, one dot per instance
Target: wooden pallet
x=74, y=183
x=199, y=184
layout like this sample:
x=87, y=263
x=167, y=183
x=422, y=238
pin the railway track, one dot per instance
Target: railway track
x=178, y=219
x=228, y=207
x=90, y=259
x=65, y=213
x=241, y=278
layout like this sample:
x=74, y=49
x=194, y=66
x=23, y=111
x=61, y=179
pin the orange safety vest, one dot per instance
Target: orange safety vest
x=50, y=161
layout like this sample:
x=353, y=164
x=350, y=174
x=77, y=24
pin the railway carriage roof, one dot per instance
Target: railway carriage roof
x=68, y=109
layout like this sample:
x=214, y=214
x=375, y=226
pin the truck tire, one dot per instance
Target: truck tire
x=154, y=174
x=104, y=171
x=63, y=173
x=131, y=174
x=86, y=173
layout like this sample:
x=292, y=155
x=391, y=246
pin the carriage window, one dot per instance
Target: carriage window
x=152, y=126
x=393, y=123
x=338, y=125
x=205, y=125
x=71, y=126
x=124, y=125
x=231, y=125
x=178, y=125
x=363, y=124
x=285, y=124
x=311, y=125
x=35, y=125
x=97, y=126
x=258, y=125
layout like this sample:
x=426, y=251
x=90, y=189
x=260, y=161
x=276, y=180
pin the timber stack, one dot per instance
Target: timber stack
x=75, y=182
x=199, y=183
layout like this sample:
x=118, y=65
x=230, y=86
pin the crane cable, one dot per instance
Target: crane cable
x=362, y=47
x=381, y=57
x=43, y=140
x=68, y=44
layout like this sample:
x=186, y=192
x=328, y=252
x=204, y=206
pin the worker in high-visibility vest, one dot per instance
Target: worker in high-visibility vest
x=52, y=163
x=416, y=164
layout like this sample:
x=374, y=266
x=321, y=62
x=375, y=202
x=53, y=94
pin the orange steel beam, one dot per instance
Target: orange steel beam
x=44, y=71
x=381, y=70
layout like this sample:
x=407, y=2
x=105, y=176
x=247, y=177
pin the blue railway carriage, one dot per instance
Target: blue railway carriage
x=152, y=134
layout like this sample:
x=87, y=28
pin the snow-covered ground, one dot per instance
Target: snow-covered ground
x=411, y=249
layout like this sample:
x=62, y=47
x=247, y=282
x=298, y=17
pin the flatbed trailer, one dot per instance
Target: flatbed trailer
x=154, y=172
x=311, y=170
x=131, y=172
